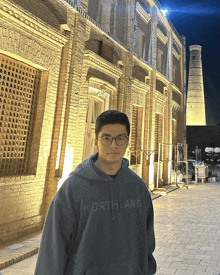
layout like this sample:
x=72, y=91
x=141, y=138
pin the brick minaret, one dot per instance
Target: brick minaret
x=195, y=113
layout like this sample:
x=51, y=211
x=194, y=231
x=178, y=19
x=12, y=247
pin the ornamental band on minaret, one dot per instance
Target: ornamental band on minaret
x=195, y=113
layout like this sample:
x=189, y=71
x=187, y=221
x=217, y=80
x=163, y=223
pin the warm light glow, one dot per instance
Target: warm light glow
x=151, y=175
x=58, y=154
x=67, y=167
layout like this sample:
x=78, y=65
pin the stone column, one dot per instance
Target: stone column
x=148, y=158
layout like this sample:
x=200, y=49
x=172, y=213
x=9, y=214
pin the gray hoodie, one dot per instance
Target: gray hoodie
x=97, y=225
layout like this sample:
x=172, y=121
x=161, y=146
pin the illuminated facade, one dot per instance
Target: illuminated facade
x=195, y=114
x=62, y=64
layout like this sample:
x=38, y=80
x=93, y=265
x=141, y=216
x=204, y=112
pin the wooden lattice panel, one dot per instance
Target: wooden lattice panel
x=19, y=84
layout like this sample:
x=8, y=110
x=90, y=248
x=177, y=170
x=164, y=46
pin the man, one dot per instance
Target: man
x=100, y=222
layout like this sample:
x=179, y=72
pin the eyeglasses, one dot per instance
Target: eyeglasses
x=119, y=140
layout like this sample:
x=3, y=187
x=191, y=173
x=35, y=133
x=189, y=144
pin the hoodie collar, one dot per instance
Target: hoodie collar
x=87, y=169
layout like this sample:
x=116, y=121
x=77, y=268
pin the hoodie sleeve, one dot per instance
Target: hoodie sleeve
x=151, y=239
x=59, y=227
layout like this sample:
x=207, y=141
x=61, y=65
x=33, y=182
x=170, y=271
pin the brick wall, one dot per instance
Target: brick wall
x=38, y=45
x=20, y=198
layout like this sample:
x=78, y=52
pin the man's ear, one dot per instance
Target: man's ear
x=128, y=142
x=96, y=145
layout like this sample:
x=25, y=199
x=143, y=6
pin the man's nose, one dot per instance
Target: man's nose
x=113, y=143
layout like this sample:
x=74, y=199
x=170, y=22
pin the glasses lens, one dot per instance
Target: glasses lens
x=106, y=140
x=121, y=140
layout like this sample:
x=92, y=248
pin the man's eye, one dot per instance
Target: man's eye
x=121, y=138
x=106, y=138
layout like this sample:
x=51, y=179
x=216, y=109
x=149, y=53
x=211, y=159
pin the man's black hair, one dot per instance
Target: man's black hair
x=111, y=117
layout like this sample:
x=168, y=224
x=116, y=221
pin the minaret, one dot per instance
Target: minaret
x=195, y=112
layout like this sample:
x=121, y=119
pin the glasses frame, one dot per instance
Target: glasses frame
x=115, y=138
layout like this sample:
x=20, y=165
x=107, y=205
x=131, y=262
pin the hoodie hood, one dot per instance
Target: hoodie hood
x=88, y=170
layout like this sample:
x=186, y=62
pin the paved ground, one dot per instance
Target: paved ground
x=187, y=227
x=25, y=267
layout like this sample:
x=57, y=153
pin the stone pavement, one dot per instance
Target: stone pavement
x=187, y=228
x=25, y=267
x=22, y=249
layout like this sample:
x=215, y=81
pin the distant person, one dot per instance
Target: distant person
x=100, y=222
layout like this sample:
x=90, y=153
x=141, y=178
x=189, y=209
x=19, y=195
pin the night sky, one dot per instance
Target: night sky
x=199, y=22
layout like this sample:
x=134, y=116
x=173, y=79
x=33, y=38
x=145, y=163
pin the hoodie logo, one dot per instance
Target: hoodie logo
x=107, y=205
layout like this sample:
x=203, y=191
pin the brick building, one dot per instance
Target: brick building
x=61, y=64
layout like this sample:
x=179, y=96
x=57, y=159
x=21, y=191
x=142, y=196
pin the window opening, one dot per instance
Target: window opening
x=18, y=106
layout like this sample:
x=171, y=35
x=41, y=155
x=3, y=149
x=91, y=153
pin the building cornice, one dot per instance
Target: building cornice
x=142, y=63
x=162, y=78
x=100, y=85
x=176, y=54
x=174, y=87
x=11, y=13
x=161, y=36
x=176, y=40
x=144, y=15
x=160, y=97
x=163, y=20
x=143, y=87
x=99, y=63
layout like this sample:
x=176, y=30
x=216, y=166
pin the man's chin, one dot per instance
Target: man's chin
x=111, y=158
x=114, y=158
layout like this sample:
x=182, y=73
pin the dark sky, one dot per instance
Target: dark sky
x=199, y=22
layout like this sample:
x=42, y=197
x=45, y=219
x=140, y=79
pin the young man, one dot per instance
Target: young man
x=100, y=222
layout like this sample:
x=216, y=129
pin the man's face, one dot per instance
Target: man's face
x=112, y=153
